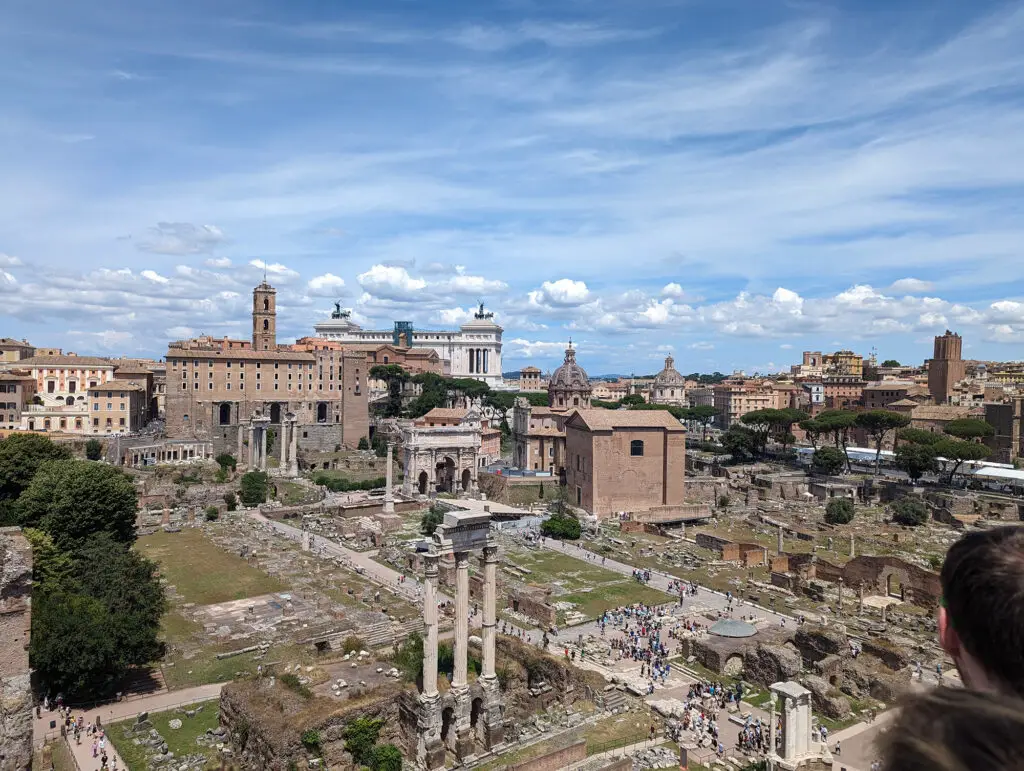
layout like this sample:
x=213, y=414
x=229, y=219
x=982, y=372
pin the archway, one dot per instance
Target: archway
x=447, y=718
x=321, y=412
x=275, y=413
x=893, y=587
x=475, y=710
x=225, y=414
x=70, y=401
x=422, y=482
x=466, y=478
x=445, y=475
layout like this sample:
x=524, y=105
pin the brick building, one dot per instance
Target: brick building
x=878, y=396
x=120, y=406
x=1006, y=419
x=624, y=460
x=214, y=386
x=947, y=367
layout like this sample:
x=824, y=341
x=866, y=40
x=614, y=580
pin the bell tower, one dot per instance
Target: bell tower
x=264, y=317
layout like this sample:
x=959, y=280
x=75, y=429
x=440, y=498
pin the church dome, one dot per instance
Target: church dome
x=670, y=375
x=570, y=376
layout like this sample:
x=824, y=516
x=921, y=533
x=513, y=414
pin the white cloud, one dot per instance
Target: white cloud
x=701, y=345
x=274, y=269
x=179, y=333
x=9, y=261
x=391, y=282
x=526, y=349
x=563, y=293
x=218, y=262
x=181, y=238
x=327, y=285
x=155, y=277
x=453, y=317
x=911, y=286
x=474, y=285
x=673, y=290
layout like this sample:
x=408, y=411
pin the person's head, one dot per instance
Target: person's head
x=981, y=616
x=954, y=729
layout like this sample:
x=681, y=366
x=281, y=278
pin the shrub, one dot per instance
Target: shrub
x=723, y=502
x=364, y=443
x=839, y=511
x=310, y=738
x=226, y=461
x=561, y=526
x=431, y=519
x=360, y=737
x=220, y=476
x=291, y=680
x=254, y=488
x=352, y=644
x=386, y=757
x=93, y=449
x=909, y=511
x=212, y=512
x=230, y=500
x=338, y=484
x=828, y=460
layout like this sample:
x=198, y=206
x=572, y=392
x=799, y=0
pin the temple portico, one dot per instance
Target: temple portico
x=466, y=715
x=257, y=457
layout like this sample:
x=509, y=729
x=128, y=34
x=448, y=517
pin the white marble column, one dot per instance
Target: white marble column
x=490, y=565
x=780, y=544
x=293, y=451
x=251, y=455
x=263, y=449
x=389, y=490
x=461, y=619
x=430, y=624
x=283, y=461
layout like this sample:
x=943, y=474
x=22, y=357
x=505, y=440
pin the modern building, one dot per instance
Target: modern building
x=530, y=380
x=216, y=386
x=472, y=351
x=16, y=393
x=946, y=367
x=669, y=386
x=624, y=460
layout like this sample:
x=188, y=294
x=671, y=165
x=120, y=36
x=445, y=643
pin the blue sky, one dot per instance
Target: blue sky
x=732, y=181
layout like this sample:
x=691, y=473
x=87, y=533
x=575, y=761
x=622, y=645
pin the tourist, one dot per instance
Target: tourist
x=981, y=613
x=955, y=729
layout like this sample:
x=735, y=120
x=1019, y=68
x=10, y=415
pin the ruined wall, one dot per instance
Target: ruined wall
x=534, y=605
x=553, y=761
x=921, y=587
x=15, y=620
x=266, y=721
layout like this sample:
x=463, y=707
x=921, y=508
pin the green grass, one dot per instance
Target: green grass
x=181, y=741
x=204, y=667
x=201, y=571
x=608, y=596
x=58, y=754
x=292, y=493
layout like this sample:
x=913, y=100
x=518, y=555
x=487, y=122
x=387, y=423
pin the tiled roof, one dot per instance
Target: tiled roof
x=597, y=420
x=445, y=413
x=65, y=361
x=239, y=353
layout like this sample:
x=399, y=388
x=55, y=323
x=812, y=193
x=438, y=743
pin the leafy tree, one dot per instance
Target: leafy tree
x=909, y=511
x=783, y=425
x=227, y=461
x=916, y=460
x=891, y=363
x=360, y=737
x=253, y=488
x=959, y=450
x=72, y=499
x=364, y=443
x=395, y=377
x=93, y=449
x=52, y=569
x=704, y=415
x=919, y=436
x=212, y=512
x=230, y=500
x=431, y=518
x=632, y=400
x=71, y=648
x=386, y=757
x=838, y=423
x=878, y=423
x=828, y=460
x=723, y=501
x=21, y=455
x=839, y=511
x=969, y=428
x=740, y=442
x=599, y=404
x=561, y=526
x=536, y=398
x=408, y=659
x=760, y=423
x=814, y=430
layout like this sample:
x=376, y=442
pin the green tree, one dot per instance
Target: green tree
x=891, y=363
x=253, y=488
x=814, y=430
x=704, y=415
x=969, y=428
x=72, y=499
x=919, y=436
x=783, y=425
x=71, y=649
x=631, y=400
x=21, y=455
x=561, y=526
x=408, y=659
x=959, y=450
x=360, y=737
x=212, y=512
x=431, y=518
x=877, y=424
x=828, y=460
x=230, y=500
x=839, y=511
x=536, y=398
x=93, y=449
x=52, y=570
x=226, y=461
x=909, y=511
x=386, y=757
x=838, y=423
x=739, y=441
x=760, y=424
x=916, y=460
x=364, y=443
x=395, y=377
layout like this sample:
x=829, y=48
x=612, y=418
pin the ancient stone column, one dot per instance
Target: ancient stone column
x=853, y=547
x=263, y=449
x=861, y=610
x=251, y=464
x=490, y=565
x=389, y=491
x=461, y=619
x=293, y=451
x=283, y=460
x=840, y=595
x=240, y=460
x=780, y=544
x=430, y=624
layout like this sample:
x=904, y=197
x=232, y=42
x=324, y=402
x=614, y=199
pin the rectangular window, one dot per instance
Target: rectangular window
x=110, y=406
x=95, y=421
x=122, y=421
x=96, y=407
x=122, y=406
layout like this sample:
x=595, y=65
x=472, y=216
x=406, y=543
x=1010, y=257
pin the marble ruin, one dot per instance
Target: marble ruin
x=441, y=459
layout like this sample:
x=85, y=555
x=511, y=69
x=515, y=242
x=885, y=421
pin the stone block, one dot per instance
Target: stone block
x=826, y=699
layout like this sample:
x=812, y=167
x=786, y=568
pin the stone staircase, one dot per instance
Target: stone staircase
x=614, y=700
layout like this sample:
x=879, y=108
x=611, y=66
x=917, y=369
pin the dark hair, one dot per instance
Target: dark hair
x=983, y=592
x=954, y=729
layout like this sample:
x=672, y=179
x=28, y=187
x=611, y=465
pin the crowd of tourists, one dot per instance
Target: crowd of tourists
x=75, y=728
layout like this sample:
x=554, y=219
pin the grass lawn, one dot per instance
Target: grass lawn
x=181, y=741
x=56, y=753
x=292, y=494
x=203, y=667
x=201, y=571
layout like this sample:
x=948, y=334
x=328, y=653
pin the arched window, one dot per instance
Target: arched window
x=266, y=325
x=266, y=304
x=321, y=412
x=225, y=414
x=636, y=447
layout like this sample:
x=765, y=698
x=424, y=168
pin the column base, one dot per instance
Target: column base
x=430, y=750
x=493, y=713
x=465, y=745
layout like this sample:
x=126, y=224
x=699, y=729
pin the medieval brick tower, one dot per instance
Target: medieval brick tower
x=946, y=368
x=264, y=317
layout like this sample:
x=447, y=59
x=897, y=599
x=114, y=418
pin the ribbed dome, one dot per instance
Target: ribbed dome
x=670, y=375
x=570, y=376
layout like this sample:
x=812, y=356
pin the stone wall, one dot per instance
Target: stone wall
x=266, y=721
x=15, y=620
x=553, y=761
x=534, y=604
